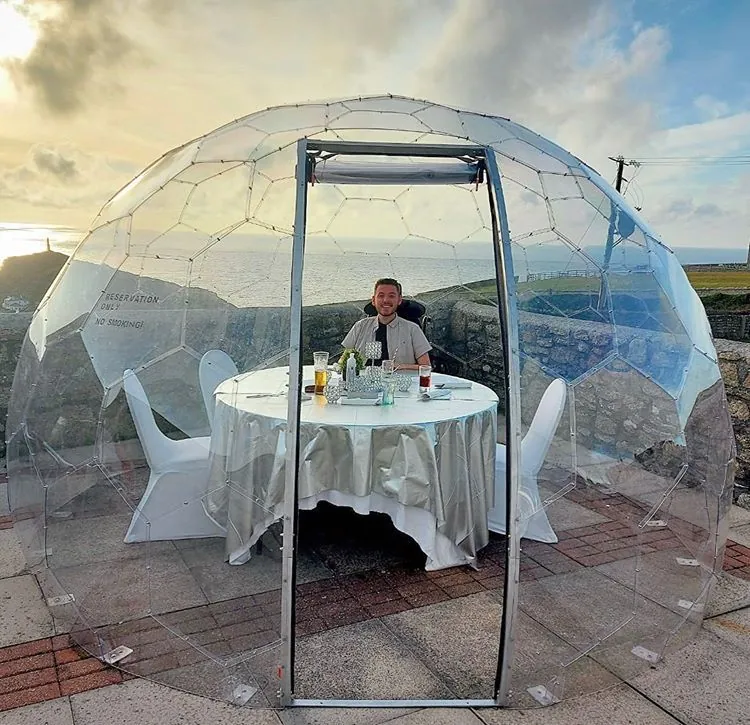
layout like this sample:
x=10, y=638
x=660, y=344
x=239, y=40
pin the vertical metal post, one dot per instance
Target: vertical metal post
x=506, y=284
x=288, y=569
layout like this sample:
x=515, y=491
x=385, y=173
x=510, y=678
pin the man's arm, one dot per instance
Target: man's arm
x=421, y=360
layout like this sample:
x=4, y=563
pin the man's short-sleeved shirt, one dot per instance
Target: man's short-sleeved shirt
x=406, y=341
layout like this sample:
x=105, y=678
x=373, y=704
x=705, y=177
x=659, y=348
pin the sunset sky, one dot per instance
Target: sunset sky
x=91, y=91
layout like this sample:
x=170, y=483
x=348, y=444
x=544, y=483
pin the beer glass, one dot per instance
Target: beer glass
x=320, y=363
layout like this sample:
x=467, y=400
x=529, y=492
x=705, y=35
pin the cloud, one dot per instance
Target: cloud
x=711, y=107
x=52, y=161
x=559, y=68
x=685, y=209
x=61, y=177
x=80, y=47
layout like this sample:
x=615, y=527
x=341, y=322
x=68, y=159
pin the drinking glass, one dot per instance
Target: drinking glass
x=389, y=392
x=425, y=373
x=387, y=367
x=320, y=363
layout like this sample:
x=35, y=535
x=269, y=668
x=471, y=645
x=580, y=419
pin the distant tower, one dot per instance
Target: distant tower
x=747, y=264
x=748, y=252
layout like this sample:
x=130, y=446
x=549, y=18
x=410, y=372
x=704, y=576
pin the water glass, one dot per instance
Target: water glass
x=387, y=367
x=389, y=392
x=425, y=375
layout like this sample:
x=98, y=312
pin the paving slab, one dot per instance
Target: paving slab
x=107, y=592
x=740, y=534
x=52, y=712
x=659, y=577
x=728, y=593
x=701, y=684
x=586, y=607
x=439, y=716
x=146, y=703
x=23, y=612
x=12, y=560
x=95, y=539
x=734, y=628
x=457, y=638
x=363, y=660
x=616, y=706
x=738, y=516
x=342, y=716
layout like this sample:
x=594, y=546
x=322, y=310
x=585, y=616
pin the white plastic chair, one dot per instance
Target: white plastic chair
x=171, y=507
x=215, y=367
x=534, y=446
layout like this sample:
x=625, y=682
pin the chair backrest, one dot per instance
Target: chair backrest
x=155, y=444
x=538, y=438
x=215, y=367
x=408, y=309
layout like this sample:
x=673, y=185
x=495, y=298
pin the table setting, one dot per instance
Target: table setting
x=416, y=445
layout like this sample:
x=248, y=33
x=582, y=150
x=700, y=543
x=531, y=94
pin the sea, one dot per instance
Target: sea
x=328, y=277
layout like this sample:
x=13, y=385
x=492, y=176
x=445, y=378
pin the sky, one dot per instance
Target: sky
x=92, y=91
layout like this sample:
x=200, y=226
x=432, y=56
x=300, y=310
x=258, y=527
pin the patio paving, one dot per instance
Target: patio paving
x=371, y=621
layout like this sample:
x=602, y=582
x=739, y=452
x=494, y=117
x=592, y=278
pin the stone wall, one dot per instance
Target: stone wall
x=734, y=361
x=617, y=409
x=730, y=325
x=467, y=341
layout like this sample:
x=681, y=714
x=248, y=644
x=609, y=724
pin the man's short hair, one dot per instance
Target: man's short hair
x=389, y=281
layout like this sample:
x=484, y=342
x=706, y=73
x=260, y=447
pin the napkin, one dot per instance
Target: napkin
x=453, y=384
x=435, y=394
x=360, y=401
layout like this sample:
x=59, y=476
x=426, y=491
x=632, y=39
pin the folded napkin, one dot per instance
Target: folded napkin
x=453, y=384
x=360, y=401
x=435, y=394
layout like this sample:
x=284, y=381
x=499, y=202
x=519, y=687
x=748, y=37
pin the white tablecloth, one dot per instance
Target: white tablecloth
x=428, y=465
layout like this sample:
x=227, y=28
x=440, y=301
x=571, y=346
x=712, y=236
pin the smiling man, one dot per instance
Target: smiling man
x=401, y=341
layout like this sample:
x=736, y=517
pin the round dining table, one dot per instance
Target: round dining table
x=427, y=463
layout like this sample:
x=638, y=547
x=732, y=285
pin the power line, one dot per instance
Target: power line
x=736, y=160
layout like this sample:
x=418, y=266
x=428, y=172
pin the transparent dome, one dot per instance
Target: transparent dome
x=547, y=517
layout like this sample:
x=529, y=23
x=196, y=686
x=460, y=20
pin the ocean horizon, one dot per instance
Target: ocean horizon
x=328, y=277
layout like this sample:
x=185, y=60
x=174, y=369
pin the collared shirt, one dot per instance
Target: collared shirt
x=406, y=341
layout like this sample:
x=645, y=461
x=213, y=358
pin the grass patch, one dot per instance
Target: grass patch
x=726, y=279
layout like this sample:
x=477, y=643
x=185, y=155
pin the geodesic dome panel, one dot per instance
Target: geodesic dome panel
x=195, y=255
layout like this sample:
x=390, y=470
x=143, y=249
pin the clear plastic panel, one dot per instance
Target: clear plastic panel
x=636, y=526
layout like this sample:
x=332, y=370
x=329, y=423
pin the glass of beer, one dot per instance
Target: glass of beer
x=320, y=363
x=425, y=372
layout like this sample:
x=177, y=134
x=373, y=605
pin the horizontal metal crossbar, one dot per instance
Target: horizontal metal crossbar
x=364, y=148
x=298, y=702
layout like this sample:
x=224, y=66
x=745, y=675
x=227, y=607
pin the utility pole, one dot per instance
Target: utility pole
x=620, y=161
